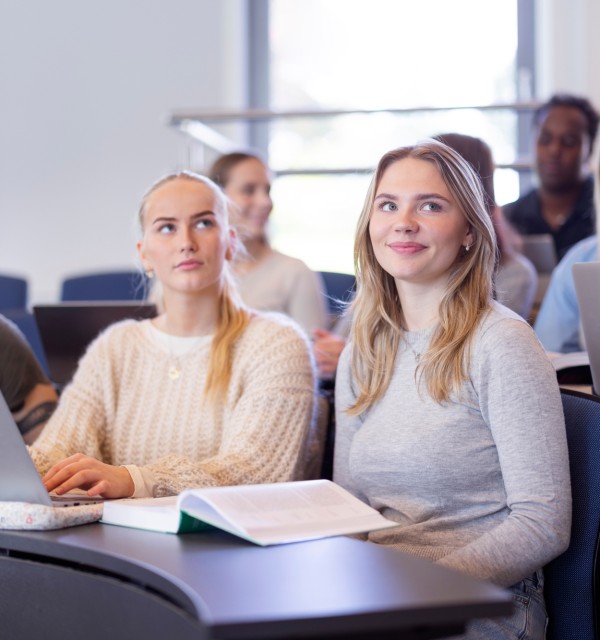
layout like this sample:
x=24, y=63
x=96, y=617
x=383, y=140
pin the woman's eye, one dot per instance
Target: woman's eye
x=389, y=206
x=204, y=223
x=166, y=228
x=431, y=207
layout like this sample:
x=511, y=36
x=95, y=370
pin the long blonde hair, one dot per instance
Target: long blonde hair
x=377, y=325
x=233, y=316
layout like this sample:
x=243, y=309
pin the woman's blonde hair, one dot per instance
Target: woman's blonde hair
x=233, y=316
x=377, y=326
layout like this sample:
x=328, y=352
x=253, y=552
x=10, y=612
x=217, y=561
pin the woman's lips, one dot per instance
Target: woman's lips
x=188, y=265
x=406, y=248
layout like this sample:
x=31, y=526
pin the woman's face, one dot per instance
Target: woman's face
x=249, y=187
x=416, y=228
x=186, y=237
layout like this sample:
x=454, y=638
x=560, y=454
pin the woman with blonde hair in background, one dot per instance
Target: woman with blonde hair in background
x=208, y=393
x=449, y=418
x=267, y=279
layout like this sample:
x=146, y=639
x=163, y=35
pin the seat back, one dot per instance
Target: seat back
x=339, y=288
x=571, y=580
x=13, y=292
x=110, y=285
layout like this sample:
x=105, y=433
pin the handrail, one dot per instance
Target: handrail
x=253, y=115
x=193, y=124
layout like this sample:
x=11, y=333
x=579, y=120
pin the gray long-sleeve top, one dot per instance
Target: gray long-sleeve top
x=480, y=484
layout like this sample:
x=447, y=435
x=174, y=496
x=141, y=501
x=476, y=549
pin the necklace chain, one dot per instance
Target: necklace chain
x=417, y=354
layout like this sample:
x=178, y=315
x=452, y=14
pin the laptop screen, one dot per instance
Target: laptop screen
x=587, y=287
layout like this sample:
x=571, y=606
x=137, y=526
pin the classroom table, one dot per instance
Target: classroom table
x=100, y=581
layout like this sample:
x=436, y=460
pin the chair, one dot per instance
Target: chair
x=110, y=285
x=13, y=292
x=339, y=288
x=572, y=579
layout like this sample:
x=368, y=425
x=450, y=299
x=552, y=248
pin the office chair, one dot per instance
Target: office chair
x=572, y=579
x=13, y=292
x=110, y=285
x=339, y=287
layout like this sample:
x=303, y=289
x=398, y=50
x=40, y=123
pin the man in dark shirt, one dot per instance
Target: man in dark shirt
x=563, y=204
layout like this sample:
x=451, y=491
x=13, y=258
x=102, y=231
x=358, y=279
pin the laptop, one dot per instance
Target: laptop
x=19, y=479
x=66, y=330
x=540, y=250
x=586, y=276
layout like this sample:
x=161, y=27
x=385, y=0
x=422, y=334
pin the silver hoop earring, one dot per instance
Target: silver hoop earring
x=467, y=248
x=150, y=274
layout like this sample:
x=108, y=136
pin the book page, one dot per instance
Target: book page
x=284, y=511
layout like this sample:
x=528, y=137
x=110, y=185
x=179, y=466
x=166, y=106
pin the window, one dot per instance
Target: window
x=381, y=54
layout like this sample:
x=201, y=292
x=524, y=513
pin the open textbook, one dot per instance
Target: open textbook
x=262, y=513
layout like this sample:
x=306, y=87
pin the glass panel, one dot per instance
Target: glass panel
x=401, y=54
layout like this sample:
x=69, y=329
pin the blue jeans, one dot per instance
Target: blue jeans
x=529, y=618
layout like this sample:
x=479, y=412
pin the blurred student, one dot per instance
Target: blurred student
x=558, y=323
x=516, y=277
x=448, y=414
x=26, y=389
x=267, y=279
x=562, y=205
x=208, y=393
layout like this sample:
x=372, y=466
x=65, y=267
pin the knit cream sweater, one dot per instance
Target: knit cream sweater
x=124, y=409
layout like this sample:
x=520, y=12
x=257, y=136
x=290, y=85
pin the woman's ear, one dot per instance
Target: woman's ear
x=469, y=238
x=142, y=256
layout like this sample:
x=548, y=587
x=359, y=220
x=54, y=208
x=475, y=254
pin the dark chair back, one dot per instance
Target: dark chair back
x=13, y=292
x=572, y=579
x=111, y=285
x=339, y=288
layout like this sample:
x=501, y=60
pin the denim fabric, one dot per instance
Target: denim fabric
x=528, y=622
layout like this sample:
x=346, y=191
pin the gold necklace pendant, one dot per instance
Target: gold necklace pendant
x=174, y=372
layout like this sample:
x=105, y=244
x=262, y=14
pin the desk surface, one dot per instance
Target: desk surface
x=238, y=590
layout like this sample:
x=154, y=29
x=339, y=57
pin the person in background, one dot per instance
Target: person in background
x=208, y=393
x=558, y=323
x=26, y=389
x=516, y=277
x=267, y=279
x=448, y=413
x=562, y=205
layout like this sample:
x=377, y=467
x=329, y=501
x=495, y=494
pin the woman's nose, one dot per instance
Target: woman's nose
x=405, y=220
x=188, y=240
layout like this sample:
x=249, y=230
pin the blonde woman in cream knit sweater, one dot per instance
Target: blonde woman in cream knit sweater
x=206, y=394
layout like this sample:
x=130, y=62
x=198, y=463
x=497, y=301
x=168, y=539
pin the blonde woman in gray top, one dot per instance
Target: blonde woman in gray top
x=449, y=419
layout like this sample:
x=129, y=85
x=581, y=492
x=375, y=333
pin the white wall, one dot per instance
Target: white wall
x=568, y=48
x=86, y=91
x=87, y=88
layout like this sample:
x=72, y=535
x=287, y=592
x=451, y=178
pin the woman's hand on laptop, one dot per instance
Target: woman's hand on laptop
x=96, y=478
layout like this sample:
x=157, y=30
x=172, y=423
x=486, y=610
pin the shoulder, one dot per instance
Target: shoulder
x=517, y=266
x=289, y=263
x=584, y=251
x=525, y=202
x=269, y=327
x=9, y=331
x=501, y=328
x=119, y=335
